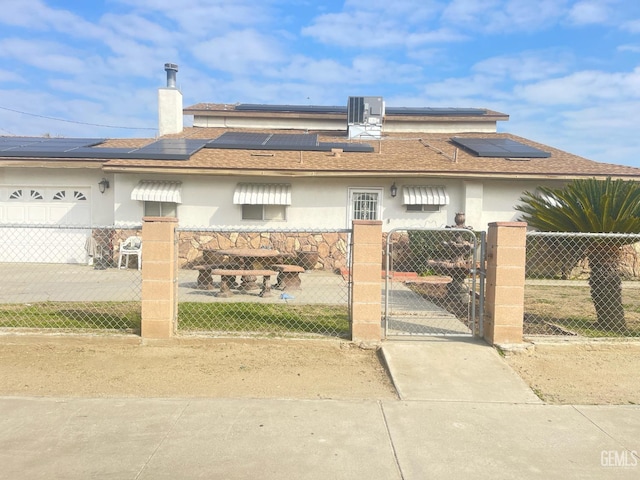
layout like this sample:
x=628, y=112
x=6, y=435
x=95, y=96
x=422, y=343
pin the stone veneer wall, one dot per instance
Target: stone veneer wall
x=330, y=247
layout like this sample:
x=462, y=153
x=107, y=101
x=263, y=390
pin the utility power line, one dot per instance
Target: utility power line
x=74, y=121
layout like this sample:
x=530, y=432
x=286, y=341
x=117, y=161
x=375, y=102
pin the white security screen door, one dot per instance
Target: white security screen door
x=365, y=204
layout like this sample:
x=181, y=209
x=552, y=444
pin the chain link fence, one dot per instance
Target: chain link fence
x=274, y=282
x=582, y=285
x=433, y=284
x=67, y=278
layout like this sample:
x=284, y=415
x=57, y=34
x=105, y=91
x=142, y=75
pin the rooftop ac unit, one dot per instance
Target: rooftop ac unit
x=364, y=117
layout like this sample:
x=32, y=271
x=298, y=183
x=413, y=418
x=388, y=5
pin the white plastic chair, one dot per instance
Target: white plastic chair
x=128, y=247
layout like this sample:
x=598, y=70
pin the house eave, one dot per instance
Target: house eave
x=40, y=163
x=360, y=174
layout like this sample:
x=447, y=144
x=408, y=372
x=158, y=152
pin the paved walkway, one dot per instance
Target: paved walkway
x=463, y=414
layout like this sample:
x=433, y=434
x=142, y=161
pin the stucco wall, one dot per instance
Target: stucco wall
x=323, y=203
x=317, y=203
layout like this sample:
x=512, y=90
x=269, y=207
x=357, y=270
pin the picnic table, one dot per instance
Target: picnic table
x=247, y=263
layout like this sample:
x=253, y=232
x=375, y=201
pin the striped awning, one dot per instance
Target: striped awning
x=424, y=196
x=157, y=191
x=262, y=194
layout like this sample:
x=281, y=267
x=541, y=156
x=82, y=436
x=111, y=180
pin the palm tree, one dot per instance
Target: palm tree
x=591, y=206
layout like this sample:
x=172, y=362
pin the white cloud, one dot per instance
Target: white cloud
x=581, y=88
x=50, y=56
x=412, y=11
x=597, y=133
x=469, y=11
x=363, y=70
x=590, y=11
x=36, y=15
x=202, y=18
x=465, y=91
x=629, y=48
x=381, y=24
x=358, y=29
x=137, y=27
x=7, y=76
x=498, y=16
x=525, y=66
x=632, y=26
x=243, y=51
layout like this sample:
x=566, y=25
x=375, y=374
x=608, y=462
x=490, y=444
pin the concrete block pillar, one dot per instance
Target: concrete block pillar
x=504, y=293
x=159, y=272
x=366, y=316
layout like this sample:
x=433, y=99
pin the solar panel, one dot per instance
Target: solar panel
x=239, y=138
x=248, y=107
x=292, y=139
x=35, y=144
x=434, y=111
x=165, y=149
x=259, y=141
x=499, y=147
x=102, y=152
x=170, y=146
x=415, y=111
x=284, y=142
x=409, y=111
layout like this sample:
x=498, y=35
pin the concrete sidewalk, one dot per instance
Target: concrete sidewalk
x=463, y=414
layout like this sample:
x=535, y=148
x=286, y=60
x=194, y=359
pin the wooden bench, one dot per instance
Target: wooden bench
x=228, y=280
x=288, y=276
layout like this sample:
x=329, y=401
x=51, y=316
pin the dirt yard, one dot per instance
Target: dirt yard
x=581, y=373
x=84, y=366
x=95, y=366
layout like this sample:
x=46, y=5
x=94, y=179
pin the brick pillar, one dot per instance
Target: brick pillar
x=504, y=294
x=159, y=259
x=366, y=316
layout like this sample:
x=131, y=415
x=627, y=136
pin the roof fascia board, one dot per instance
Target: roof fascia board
x=49, y=164
x=368, y=174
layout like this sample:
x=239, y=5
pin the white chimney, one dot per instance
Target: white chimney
x=170, y=117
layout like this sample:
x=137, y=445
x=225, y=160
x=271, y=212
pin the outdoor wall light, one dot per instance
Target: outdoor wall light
x=103, y=185
x=394, y=190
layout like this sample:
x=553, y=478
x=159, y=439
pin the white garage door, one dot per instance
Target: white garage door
x=66, y=208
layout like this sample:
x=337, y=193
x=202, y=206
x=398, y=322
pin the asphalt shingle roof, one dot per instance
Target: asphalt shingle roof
x=424, y=154
x=407, y=154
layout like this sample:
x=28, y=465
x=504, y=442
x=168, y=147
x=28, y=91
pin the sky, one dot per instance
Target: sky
x=567, y=72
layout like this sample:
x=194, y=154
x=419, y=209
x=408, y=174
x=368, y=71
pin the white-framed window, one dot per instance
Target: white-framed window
x=160, y=209
x=423, y=208
x=422, y=198
x=263, y=201
x=264, y=212
x=160, y=198
x=365, y=203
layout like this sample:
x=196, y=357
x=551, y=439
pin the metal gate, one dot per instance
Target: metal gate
x=434, y=282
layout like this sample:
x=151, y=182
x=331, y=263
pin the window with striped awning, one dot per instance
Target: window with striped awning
x=419, y=195
x=262, y=194
x=157, y=191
